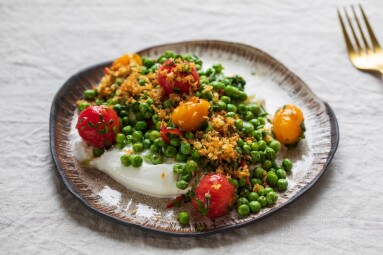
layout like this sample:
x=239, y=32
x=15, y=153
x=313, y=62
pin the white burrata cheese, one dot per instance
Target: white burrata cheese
x=149, y=179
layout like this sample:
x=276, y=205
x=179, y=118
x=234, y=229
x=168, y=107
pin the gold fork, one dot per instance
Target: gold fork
x=366, y=56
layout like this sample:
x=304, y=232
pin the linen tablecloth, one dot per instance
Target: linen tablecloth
x=42, y=43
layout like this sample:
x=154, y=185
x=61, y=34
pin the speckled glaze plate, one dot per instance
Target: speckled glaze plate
x=107, y=198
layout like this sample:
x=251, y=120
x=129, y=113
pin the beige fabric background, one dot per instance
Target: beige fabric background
x=42, y=43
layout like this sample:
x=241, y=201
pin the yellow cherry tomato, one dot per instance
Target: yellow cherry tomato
x=190, y=115
x=125, y=60
x=287, y=124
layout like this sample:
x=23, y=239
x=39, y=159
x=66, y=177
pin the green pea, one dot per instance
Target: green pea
x=246, y=149
x=240, y=142
x=221, y=106
x=183, y=218
x=287, y=165
x=170, y=151
x=217, y=85
x=255, y=156
x=148, y=62
x=242, y=108
x=238, y=124
x=120, y=138
x=282, y=184
x=248, y=128
x=137, y=136
x=255, y=108
x=261, y=120
x=129, y=139
x=241, y=96
x=254, y=181
x=242, y=201
x=254, y=146
x=258, y=173
x=167, y=104
x=154, y=148
x=181, y=157
x=159, y=142
x=89, y=94
x=178, y=168
x=185, y=148
x=272, y=178
x=239, y=150
x=266, y=191
x=182, y=184
x=253, y=196
x=191, y=165
x=230, y=115
x=234, y=182
x=225, y=99
x=270, y=153
x=125, y=121
x=195, y=154
x=275, y=145
x=242, y=182
x=271, y=198
x=262, y=157
x=156, y=158
x=249, y=116
x=153, y=135
x=186, y=176
x=117, y=108
x=262, y=145
x=147, y=143
x=257, y=134
x=119, y=146
x=262, y=201
x=189, y=135
x=281, y=173
x=138, y=147
x=254, y=122
x=144, y=107
x=255, y=206
x=137, y=160
x=231, y=108
x=243, y=210
x=128, y=130
x=97, y=152
x=140, y=125
x=175, y=141
x=99, y=101
x=82, y=106
x=229, y=90
x=126, y=160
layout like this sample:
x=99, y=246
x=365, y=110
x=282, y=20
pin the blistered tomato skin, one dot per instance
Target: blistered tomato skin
x=191, y=114
x=173, y=79
x=287, y=124
x=98, y=126
x=217, y=189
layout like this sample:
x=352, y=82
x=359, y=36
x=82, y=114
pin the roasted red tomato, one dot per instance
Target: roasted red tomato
x=178, y=76
x=214, y=195
x=98, y=126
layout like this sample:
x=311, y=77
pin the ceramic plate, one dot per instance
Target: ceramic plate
x=265, y=75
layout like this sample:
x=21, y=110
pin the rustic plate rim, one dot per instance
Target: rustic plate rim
x=68, y=185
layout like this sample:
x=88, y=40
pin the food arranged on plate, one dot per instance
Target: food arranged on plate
x=169, y=128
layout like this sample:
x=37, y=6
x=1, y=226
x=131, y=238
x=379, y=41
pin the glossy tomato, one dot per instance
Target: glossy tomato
x=178, y=76
x=214, y=195
x=98, y=126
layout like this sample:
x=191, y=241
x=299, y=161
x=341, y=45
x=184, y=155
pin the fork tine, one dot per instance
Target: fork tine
x=374, y=41
x=350, y=48
x=353, y=32
x=366, y=45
